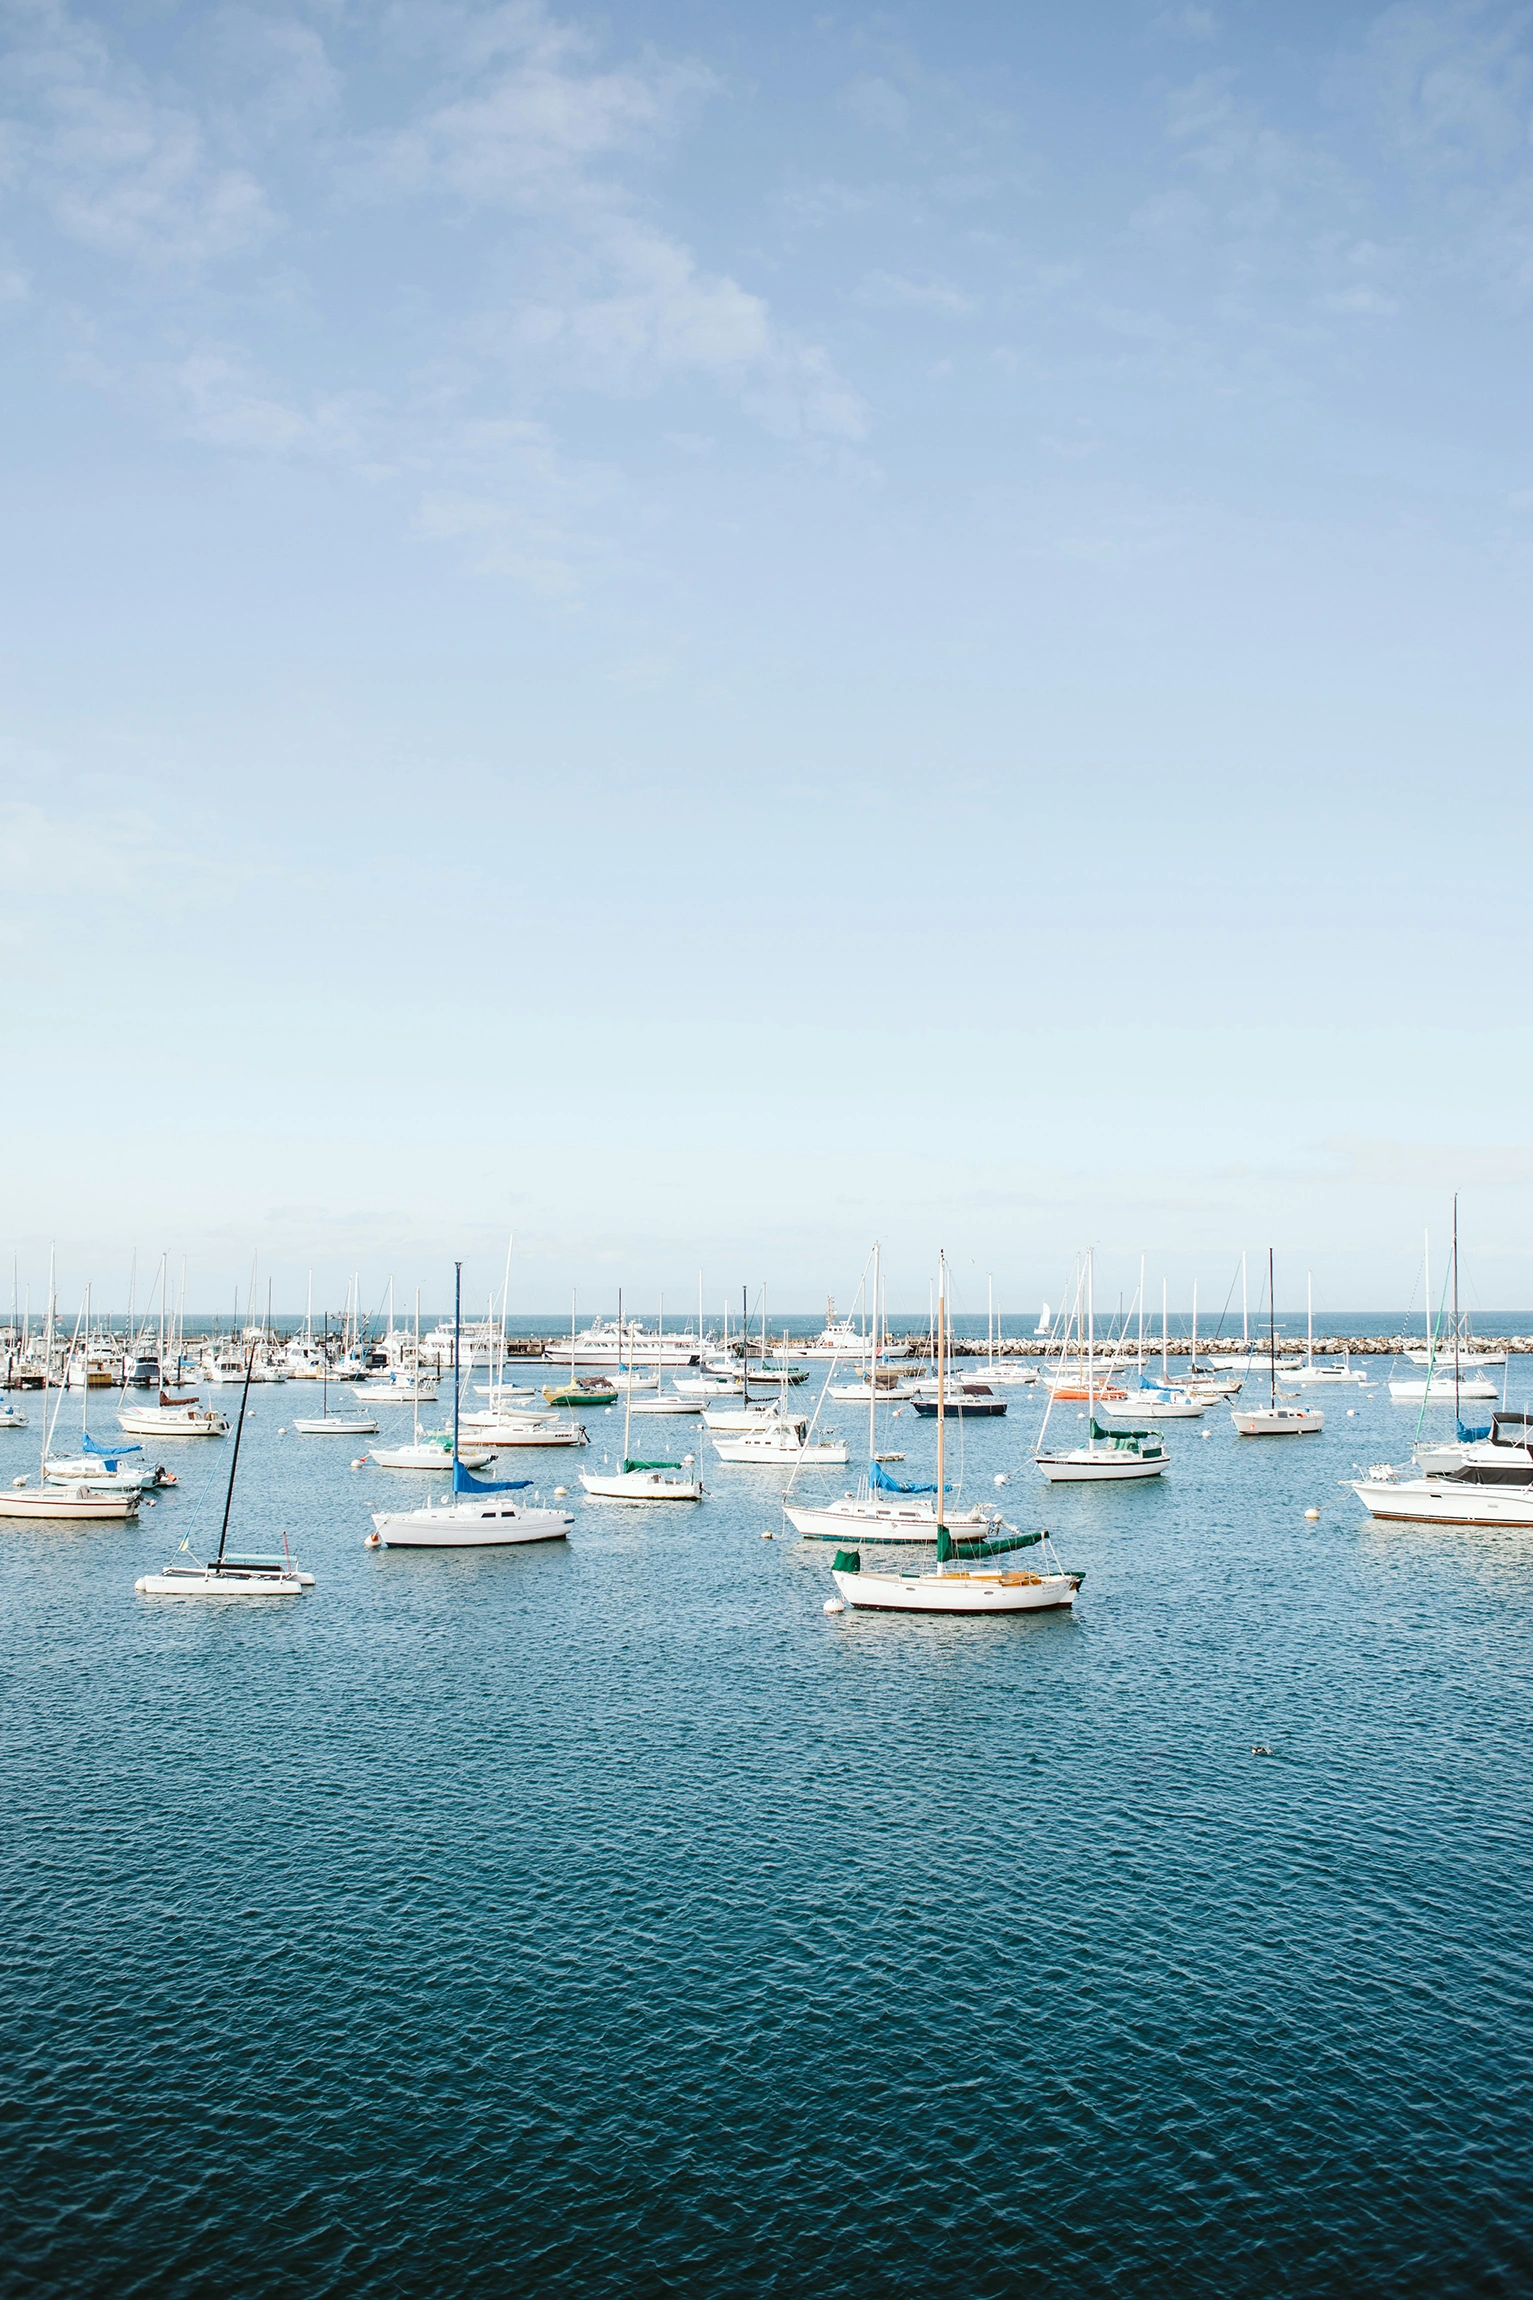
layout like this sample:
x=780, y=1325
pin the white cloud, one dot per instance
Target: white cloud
x=877, y=103
x=118, y=168
x=893, y=292
x=226, y=407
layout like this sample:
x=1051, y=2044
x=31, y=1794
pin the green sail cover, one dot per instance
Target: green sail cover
x=1097, y=1431
x=628, y=1465
x=947, y=1547
x=847, y=1561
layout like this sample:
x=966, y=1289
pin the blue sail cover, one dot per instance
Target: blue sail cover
x=463, y=1483
x=108, y=1456
x=1471, y=1437
x=881, y=1482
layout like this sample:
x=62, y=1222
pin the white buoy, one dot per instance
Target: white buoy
x=360, y=1462
x=373, y=1541
x=1351, y=1410
x=560, y=1491
x=1000, y=1477
x=769, y=1535
x=1312, y=1513
x=283, y=1431
x=18, y=1481
x=687, y=1460
x=1205, y=1433
x=835, y=1605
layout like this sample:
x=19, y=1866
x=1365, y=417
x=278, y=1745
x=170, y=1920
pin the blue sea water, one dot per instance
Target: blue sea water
x=607, y=1919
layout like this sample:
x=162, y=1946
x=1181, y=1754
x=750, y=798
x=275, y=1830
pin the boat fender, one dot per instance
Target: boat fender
x=560, y=1491
x=1001, y=1477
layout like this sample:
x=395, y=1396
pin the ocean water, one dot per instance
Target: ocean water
x=607, y=1919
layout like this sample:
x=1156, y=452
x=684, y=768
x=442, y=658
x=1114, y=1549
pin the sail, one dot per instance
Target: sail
x=947, y=1547
x=628, y=1465
x=881, y=1482
x=108, y=1456
x=463, y=1483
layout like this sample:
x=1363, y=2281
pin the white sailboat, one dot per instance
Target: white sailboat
x=327, y=1424
x=1278, y=1418
x=62, y=1500
x=640, y=1480
x=1110, y=1455
x=964, y=1581
x=478, y=1516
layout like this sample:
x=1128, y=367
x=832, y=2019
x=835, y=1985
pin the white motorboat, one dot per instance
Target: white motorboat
x=1507, y=1438
x=839, y=1339
x=503, y=1430
x=1312, y=1377
x=82, y=1501
x=1477, y=1494
x=335, y=1425
x=614, y=1344
x=479, y=1516
x=12, y=1418
x=186, y=1418
x=781, y=1442
x=1278, y=1420
x=402, y=1390
x=729, y=1421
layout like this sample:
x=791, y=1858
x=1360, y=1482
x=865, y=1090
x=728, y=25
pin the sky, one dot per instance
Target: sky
x=708, y=633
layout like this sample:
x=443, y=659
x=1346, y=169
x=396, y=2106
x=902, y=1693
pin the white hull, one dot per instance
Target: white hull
x=737, y=1421
x=487, y=1524
x=667, y=1404
x=639, y=1485
x=855, y=1520
x=1083, y=1466
x=219, y=1585
x=1467, y=1359
x=337, y=1425
x=954, y=1591
x=530, y=1433
x=398, y=1394
x=10, y=1419
x=1147, y=1407
x=66, y=1502
x=1278, y=1421
x=427, y=1457
x=754, y=1450
x=173, y=1421
x=1440, y=1390
x=1321, y=1377
x=1433, y=1501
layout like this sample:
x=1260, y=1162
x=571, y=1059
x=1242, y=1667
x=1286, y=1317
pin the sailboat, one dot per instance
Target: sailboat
x=1109, y=1456
x=1309, y=1376
x=964, y=1580
x=172, y=1417
x=227, y=1575
x=54, y=1501
x=640, y=1480
x=1274, y=1419
x=478, y=1516
x=325, y=1423
x=431, y=1452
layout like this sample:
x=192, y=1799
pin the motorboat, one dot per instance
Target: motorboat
x=517, y=1429
x=728, y=1421
x=838, y=1339
x=12, y=1418
x=1476, y=1494
x=1508, y=1437
x=1152, y=1403
x=615, y=1344
x=1439, y=1388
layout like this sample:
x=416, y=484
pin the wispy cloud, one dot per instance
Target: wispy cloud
x=895, y=293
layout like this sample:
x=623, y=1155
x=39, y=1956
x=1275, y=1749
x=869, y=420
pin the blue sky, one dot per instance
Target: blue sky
x=710, y=632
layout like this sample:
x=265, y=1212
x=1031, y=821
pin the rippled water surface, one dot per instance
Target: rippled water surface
x=608, y=1919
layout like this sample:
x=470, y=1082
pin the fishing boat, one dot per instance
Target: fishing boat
x=227, y=1575
x=838, y=1339
x=1278, y=1417
x=1110, y=1456
x=964, y=1581
x=479, y=1515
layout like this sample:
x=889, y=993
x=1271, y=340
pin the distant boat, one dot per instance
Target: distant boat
x=327, y=1424
x=1109, y=1456
x=226, y=1575
x=640, y=1481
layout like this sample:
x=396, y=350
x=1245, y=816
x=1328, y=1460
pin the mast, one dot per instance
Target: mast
x=990, y=1324
x=415, y=1383
x=457, y=1321
x=873, y=1370
x=239, y=1431
x=1426, y=1256
x=1192, y=1364
x=628, y=1397
x=324, y=1375
x=1091, y=1344
x=1162, y=1333
x=1271, y=1334
x=1141, y=1321
x=1456, y=1312
x=1245, y=1316
x=1309, y=1302
x=745, y=1346
x=941, y=1400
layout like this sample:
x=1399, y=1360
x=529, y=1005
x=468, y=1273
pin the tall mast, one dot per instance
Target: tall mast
x=628, y=1397
x=1162, y=1333
x=1091, y=1345
x=239, y=1431
x=1456, y=1312
x=1192, y=1366
x=457, y=1322
x=1271, y=1332
x=1245, y=1316
x=1309, y=1304
x=873, y=1370
x=1141, y=1321
x=745, y=1345
x=941, y=1403
x=1426, y=1256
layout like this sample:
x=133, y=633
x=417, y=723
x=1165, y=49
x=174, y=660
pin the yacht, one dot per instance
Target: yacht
x=608, y=1344
x=1478, y=1493
x=182, y=1418
x=839, y=1339
x=779, y=1441
x=1508, y=1439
